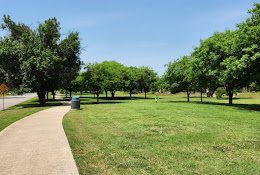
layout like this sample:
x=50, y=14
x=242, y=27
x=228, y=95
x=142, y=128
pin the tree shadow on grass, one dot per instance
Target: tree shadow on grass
x=124, y=98
x=222, y=98
x=251, y=107
x=103, y=102
x=35, y=103
x=110, y=98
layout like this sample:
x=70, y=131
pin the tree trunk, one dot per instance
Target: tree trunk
x=230, y=99
x=41, y=96
x=53, y=95
x=97, y=97
x=113, y=94
x=130, y=94
x=230, y=95
x=201, y=96
x=81, y=92
x=188, y=96
x=211, y=92
x=47, y=95
x=106, y=94
x=66, y=94
x=70, y=93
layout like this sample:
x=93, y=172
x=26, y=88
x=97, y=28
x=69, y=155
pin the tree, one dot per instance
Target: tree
x=146, y=79
x=203, y=67
x=79, y=84
x=94, y=78
x=255, y=86
x=113, y=76
x=178, y=75
x=131, y=79
x=12, y=51
x=69, y=50
x=219, y=59
x=37, y=59
x=248, y=45
x=234, y=57
x=10, y=62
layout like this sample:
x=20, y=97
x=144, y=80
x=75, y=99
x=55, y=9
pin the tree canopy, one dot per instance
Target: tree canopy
x=229, y=59
x=40, y=59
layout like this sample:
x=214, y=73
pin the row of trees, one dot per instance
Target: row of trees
x=229, y=59
x=38, y=60
x=112, y=76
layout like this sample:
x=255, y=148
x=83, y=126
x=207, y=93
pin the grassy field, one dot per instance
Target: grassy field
x=138, y=136
x=21, y=110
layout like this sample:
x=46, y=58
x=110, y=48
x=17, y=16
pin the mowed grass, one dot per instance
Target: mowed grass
x=21, y=110
x=138, y=136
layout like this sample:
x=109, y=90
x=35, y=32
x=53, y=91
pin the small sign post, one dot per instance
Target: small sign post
x=3, y=88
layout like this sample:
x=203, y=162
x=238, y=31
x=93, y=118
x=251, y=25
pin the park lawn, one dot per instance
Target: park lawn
x=138, y=136
x=21, y=110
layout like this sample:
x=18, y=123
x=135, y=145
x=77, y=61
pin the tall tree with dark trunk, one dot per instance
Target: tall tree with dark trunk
x=146, y=79
x=178, y=75
x=94, y=77
x=113, y=76
x=130, y=77
x=69, y=50
x=37, y=62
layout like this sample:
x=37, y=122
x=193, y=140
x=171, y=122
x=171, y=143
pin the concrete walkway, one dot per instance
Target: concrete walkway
x=37, y=145
x=13, y=100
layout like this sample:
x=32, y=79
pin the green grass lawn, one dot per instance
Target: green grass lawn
x=21, y=110
x=138, y=136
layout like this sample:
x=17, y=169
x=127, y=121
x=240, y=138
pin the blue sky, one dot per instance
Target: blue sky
x=133, y=32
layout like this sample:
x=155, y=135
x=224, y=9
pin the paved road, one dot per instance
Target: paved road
x=37, y=144
x=13, y=100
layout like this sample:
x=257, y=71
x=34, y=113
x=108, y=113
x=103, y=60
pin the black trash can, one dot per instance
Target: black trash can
x=75, y=103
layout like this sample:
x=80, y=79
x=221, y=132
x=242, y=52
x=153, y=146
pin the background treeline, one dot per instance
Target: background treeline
x=229, y=59
x=38, y=60
x=111, y=76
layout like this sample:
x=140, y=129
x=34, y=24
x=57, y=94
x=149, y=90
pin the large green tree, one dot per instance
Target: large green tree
x=204, y=65
x=79, y=84
x=69, y=51
x=146, y=79
x=130, y=77
x=113, y=76
x=247, y=43
x=178, y=76
x=95, y=77
x=37, y=57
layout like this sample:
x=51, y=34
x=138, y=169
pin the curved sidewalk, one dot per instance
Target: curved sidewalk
x=37, y=144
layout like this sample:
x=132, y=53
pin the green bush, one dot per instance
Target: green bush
x=220, y=92
x=62, y=91
x=175, y=88
x=235, y=92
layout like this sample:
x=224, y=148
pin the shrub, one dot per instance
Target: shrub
x=220, y=92
x=62, y=91
x=175, y=88
x=235, y=92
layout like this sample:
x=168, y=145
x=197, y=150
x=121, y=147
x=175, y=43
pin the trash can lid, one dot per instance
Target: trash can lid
x=76, y=98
